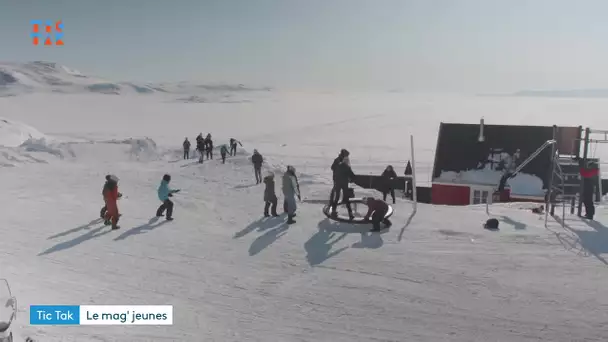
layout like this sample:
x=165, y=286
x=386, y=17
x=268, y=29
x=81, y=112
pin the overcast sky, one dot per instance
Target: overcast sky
x=424, y=45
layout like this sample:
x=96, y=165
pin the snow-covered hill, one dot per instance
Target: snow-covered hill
x=232, y=275
x=48, y=77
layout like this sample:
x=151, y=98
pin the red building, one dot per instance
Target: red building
x=470, y=159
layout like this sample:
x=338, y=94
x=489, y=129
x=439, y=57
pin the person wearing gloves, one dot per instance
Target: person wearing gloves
x=164, y=192
x=290, y=192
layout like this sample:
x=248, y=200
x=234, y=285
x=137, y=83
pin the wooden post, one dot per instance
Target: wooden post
x=585, y=152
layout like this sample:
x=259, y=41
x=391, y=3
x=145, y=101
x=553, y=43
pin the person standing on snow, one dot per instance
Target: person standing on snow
x=270, y=197
x=209, y=146
x=388, y=179
x=111, y=195
x=200, y=146
x=233, y=143
x=102, y=212
x=343, y=175
x=223, y=152
x=285, y=207
x=290, y=192
x=164, y=192
x=377, y=209
x=186, y=149
x=257, y=161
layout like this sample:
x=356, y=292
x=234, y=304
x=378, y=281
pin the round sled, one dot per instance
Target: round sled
x=356, y=203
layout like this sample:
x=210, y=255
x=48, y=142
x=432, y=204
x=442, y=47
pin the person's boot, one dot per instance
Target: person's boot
x=387, y=223
x=376, y=228
x=290, y=219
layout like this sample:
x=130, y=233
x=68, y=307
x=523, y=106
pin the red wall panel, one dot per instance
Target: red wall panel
x=450, y=194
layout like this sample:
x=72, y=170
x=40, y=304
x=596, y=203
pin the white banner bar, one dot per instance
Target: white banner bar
x=126, y=315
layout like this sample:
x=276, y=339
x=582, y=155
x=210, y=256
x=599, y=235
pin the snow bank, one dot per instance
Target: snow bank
x=522, y=184
x=13, y=133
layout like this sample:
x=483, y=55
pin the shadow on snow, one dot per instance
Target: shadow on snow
x=320, y=246
x=141, y=228
x=97, y=232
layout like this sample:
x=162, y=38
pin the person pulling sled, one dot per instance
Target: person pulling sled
x=164, y=192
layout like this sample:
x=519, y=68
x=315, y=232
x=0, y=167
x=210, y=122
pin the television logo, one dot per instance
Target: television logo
x=48, y=29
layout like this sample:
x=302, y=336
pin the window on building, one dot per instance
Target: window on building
x=480, y=196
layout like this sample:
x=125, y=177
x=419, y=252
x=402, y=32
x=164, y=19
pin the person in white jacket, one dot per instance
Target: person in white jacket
x=290, y=192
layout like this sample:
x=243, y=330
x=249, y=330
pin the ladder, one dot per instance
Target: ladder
x=564, y=185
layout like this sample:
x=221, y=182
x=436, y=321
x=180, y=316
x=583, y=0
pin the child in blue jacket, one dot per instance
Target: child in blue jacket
x=164, y=192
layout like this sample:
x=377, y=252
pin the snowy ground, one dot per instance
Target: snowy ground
x=234, y=277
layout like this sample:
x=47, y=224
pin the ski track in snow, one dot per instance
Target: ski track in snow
x=233, y=276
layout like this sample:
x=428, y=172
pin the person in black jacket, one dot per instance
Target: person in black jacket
x=233, y=143
x=388, y=179
x=409, y=189
x=186, y=149
x=102, y=212
x=209, y=146
x=270, y=196
x=334, y=169
x=257, y=160
x=200, y=147
x=343, y=175
x=589, y=174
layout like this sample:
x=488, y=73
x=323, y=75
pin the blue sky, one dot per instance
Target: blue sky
x=425, y=45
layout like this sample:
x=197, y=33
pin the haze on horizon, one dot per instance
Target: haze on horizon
x=418, y=46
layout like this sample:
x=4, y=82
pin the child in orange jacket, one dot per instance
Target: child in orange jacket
x=111, y=195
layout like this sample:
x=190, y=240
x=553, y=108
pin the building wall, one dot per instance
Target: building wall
x=458, y=147
x=450, y=194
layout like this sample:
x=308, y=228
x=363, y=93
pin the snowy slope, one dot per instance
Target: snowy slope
x=48, y=77
x=234, y=277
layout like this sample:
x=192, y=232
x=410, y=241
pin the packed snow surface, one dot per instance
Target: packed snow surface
x=233, y=276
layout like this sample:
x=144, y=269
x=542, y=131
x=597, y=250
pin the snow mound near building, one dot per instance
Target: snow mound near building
x=522, y=184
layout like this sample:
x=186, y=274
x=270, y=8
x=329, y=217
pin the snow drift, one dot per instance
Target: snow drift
x=14, y=133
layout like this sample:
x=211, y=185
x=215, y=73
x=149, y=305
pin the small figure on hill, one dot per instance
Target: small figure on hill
x=257, y=160
x=408, y=185
x=342, y=176
x=388, y=179
x=233, y=143
x=223, y=152
x=377, y=209
x=290, y=192
x=111, y=195
x=186, y=149
x=164, y=192
x=270, y=197
x=209, y=146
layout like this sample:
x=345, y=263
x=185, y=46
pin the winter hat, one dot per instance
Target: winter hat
x=167, y=177
x=291, y=169
x=114, y=178
x=108, y=177
x=344, y=152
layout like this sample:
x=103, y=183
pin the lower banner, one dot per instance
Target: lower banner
x=101, y=314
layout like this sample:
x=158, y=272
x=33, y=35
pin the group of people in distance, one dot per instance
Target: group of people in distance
x=204, y=146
